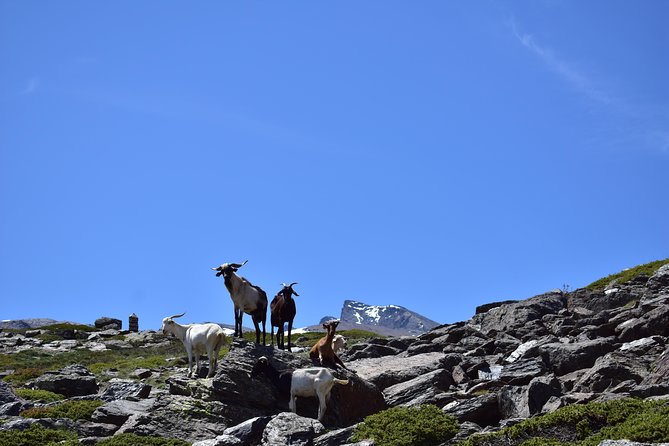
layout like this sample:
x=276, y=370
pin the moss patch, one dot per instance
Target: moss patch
x=626, y=275
x=37, y=435
x=43, y=396
x=137, y=440
x=74, y=410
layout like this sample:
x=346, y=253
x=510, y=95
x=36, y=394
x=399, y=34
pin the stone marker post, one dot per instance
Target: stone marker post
x=133, y=323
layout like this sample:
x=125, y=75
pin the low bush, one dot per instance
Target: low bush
x=74, y=410
x=407, y=426
x=43, y=396
x=38, y=435
x=586, y=425
x=137, y=440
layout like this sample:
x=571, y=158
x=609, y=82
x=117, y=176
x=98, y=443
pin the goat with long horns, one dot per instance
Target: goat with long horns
x=246, y=297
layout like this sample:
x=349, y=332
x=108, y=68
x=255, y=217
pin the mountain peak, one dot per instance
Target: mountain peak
x=393, y=317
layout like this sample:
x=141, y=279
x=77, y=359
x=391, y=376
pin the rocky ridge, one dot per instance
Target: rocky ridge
x=511, y=361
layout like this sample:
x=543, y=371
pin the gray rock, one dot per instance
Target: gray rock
x=185, y=418
x=660, y=370
x=425, y=389
x=121, y=389
x=289, y=428
x=105, y=323
x=387, y=371
x=250, y=431
x=335, y=437
x=567, y=357
x=142, y=373
x=360, y=351
x=609, y=371
x=629, y=443
x=519, y=316
x=92, y=429
x=118, y=412
x=482, y=410
x=7, y=395
x=653, y=322
x=522, y=372
x=73, y=380
x=467, y=428
x=660, y=279
x=221, y=440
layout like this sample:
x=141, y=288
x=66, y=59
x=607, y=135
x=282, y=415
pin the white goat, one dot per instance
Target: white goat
x=246, y=297
x=314, y=381
x=338, y=343
x=197, y=339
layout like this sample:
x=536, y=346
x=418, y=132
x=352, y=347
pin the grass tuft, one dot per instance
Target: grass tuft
x=137, y=440
x=74, y=410
x=38, y=435
x=42, y=396
x=624, y=276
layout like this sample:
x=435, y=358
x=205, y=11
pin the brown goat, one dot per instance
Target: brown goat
x=322, y=350
x=282, y=309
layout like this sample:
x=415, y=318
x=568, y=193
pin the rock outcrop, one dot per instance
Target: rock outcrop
x=511, y=361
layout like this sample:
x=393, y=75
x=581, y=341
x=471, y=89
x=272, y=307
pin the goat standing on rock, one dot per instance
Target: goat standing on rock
x=246, y=297
x=313, y=381
x=197, y=339
x=282, y=309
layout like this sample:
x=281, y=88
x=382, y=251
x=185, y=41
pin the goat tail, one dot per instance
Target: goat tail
x=343, y=382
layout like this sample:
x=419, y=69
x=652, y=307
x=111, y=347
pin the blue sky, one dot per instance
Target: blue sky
x=437, y=155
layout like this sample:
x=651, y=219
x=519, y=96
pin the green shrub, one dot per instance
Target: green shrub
x=74, y=410
x=39, y=395
x=628, y=274
x=407, y=426
x=37, y=435
x=586, y=425
x=137, y=440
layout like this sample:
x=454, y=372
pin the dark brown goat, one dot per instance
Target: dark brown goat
x=322, y=350
x=283, y=310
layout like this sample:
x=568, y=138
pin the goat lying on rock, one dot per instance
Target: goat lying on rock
x=338, y=343
x=197, y=339
x=313, y=381
x=322, y=350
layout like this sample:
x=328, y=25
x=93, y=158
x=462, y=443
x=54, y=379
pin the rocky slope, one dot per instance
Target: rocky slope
x=511, y=361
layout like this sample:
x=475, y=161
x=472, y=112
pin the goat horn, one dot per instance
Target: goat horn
x=177, y=315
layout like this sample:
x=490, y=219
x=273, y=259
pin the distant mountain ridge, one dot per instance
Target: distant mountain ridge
x=386, y=320
x=21, y=324
x=392, y=317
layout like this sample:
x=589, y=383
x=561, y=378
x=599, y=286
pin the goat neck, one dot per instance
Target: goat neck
x=232, y=282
